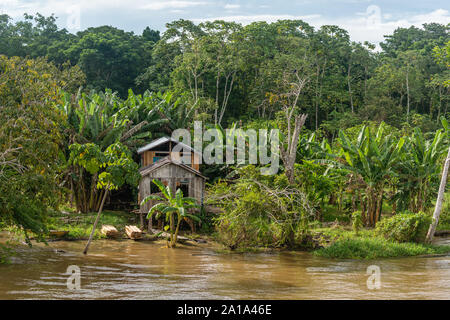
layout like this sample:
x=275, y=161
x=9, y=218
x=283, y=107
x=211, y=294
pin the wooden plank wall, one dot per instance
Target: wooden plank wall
x=172, y=174
x=147, y=158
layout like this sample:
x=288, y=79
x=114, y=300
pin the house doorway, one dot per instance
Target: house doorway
x=184, y=186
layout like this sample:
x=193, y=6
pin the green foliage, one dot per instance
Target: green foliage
x=233, y=71
x=206, y=221
x=375, y=248
x=224, y=72
x=371, y=159
x=357, y=222
x=332, y=213
x=418, y=171
x=80, y=225
x=316, y=181
x=171, y=206
x=6, y=252
x=114, y=167
x=405, y=227
x=444, y=219
x=97, y=121
x=30, y=139
x=109, y=57
x=257, y=214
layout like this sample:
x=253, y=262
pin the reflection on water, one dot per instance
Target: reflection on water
x=145, y=270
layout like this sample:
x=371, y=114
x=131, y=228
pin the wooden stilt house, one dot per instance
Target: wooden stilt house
x=159, y=161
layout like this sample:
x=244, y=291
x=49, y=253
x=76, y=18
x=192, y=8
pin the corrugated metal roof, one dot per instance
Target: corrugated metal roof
x=163, y=140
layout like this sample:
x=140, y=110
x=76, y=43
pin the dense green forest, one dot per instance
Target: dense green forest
x=74, y=108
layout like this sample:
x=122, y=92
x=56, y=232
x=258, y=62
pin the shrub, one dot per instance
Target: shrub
x=444, y=219
x=357, y=221
x=405, y=227
x=5, y=253
x=256, y=213
x=372, y=248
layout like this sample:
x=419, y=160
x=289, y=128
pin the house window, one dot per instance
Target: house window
x=159, y=155
x=154, y=188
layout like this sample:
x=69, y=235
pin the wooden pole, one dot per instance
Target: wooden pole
x=439, y=201
x=96, y=221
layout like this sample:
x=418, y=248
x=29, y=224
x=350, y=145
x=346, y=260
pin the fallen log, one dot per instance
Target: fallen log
x=133, y=232
x=166, y=235
x=109, y=231
x=442, y=233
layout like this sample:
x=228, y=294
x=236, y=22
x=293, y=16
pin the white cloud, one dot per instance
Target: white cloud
x=160, y=5
x=370, y=24
x=232, y=6
x=439, y=16
x=372, y=29
x=262, y=17
x=16, y=8
x=361, y=27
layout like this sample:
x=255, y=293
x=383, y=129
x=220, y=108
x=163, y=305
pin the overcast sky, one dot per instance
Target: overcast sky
x=364, y=19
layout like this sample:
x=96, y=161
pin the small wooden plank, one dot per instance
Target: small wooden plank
x=58, y=234
x=133, y=232
x=109, y=231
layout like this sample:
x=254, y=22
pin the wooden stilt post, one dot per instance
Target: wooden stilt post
x=96, y=221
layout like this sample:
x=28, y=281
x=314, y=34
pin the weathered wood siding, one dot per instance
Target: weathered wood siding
x=170, y=174
x=147, y=158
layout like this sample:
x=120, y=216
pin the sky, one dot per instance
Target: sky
x=363, y=19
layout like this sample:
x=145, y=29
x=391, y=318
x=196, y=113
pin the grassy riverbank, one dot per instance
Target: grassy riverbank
x=79, y=225
x=340, y=242
x=374, y=248
x=335, y=240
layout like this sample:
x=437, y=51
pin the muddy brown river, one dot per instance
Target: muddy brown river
x=146, y=270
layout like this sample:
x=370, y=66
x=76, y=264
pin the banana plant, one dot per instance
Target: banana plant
x=419, y=170
x=371, y=158
x=176, y=110
x=103, y=119
x=171, y=205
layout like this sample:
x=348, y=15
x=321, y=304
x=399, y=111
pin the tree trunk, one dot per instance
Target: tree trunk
x=365, y=84
x=379, y=206
x=317, y=98
x=440, y=104
x=354, y=207
x=150, y=224
x=289, y=155
x=363, y=209
x=407, y=95
x=172, y=231
x=141, y=218
x=95, y=223
x=439, y=201
x=350, y=88
x=175, y=237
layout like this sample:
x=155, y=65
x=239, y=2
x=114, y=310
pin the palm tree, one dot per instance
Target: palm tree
x=170, y=206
